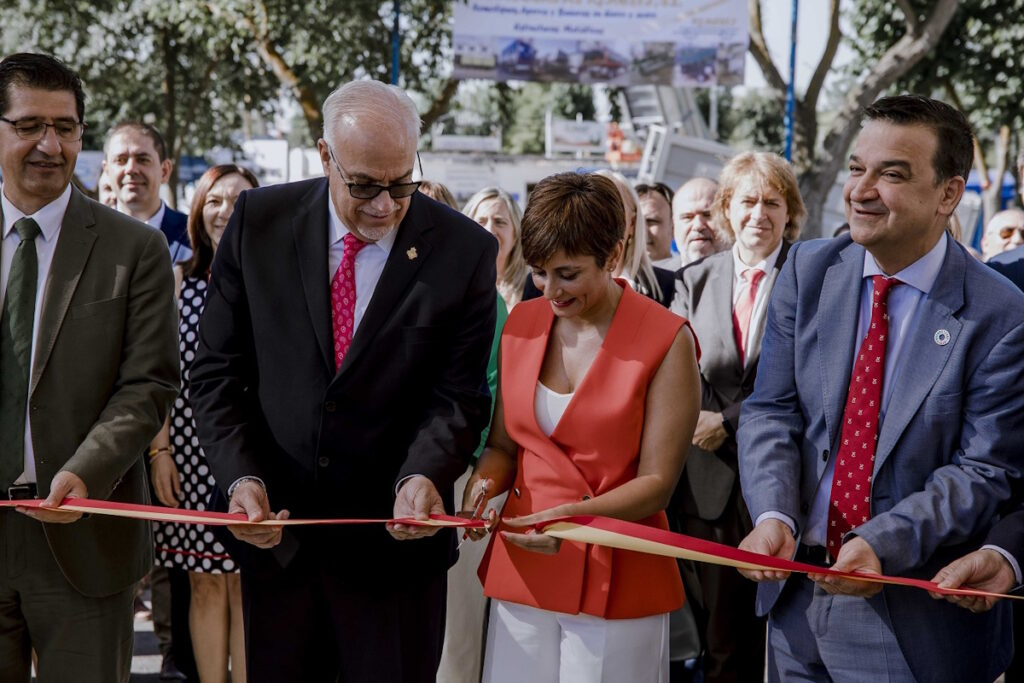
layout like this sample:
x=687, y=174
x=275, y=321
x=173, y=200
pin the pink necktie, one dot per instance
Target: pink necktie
x=343, y=298
x=743, y=309
x=850, y=500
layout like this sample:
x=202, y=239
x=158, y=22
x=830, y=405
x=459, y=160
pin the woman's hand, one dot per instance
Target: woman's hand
x=532, y=539
x=474, y=500
x=166, y=482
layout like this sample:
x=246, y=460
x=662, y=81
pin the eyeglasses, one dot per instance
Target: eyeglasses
x=1007, y=232
x=35, y=129
x=659, y=188
x=370, y=190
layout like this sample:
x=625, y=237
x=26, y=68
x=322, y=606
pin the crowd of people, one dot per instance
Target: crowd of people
x=359, y=346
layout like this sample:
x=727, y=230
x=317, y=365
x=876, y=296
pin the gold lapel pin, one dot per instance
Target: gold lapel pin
x=411, y=253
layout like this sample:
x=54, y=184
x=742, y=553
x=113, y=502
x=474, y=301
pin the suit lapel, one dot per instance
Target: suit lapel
x=838, y=310
x=712, y=318
x=922, y=358
x=310, y=230
x=74, y=244
x=411, y=249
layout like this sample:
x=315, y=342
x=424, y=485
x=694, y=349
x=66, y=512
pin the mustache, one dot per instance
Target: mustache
x=45, y=158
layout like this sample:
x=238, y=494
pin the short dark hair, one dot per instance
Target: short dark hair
x=580, y=214
x=31, y=70
x=954, y=149
x=202, y=248
x=139, y=127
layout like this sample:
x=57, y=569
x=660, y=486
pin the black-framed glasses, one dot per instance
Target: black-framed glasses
x=659, y=188
x=371, y=190
x=35, y=129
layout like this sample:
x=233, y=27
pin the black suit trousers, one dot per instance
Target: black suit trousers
x=338, y=630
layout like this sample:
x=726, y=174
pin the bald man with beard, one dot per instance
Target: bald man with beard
x=691, y=215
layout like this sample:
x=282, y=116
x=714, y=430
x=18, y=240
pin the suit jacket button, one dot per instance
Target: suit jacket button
x=516, y=491
x=804, y=508
x=330, y=406
x=585, y=498
x=824, y=455
x=323, y=461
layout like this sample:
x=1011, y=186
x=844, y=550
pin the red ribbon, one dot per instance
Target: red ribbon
x=613, y=533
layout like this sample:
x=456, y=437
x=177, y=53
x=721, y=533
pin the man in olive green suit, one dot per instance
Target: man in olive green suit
x=88, y=369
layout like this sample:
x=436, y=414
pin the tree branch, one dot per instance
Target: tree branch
x=909, y=16
x=825, y=63
x=440, y=105
x=816, y=182
x=759, y=49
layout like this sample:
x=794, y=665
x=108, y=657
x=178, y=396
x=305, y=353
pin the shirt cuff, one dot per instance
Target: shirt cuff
x=403, y=480
x=1009, y=558
x=784, y=518
x=236, y=482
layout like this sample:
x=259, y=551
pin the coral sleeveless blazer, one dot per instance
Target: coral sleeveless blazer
x=594, y=448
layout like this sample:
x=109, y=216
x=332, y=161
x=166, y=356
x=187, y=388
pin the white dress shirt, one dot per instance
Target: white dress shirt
x=157, y=219
x=740, y=285
x=49, y=219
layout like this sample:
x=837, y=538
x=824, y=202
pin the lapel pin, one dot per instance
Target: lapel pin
x=942, y=337
x=411, y=253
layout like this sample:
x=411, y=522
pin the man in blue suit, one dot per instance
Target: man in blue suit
x=899, y=317
x=136, y=162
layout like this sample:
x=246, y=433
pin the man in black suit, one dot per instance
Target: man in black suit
x=298, y=414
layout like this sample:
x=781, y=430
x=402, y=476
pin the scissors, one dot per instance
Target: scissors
x=479, y=503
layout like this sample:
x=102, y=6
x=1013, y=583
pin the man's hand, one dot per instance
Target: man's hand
x=64, y=485
x=984, y=570
x=855, y=556
x=710, y=432
x=417, y=499
x=250, y=499
x=770, y=537
x=166, y=482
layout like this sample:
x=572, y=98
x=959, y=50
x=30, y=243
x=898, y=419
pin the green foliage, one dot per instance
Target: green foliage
x=754, y=122
x=977, y=65
x=530, y=103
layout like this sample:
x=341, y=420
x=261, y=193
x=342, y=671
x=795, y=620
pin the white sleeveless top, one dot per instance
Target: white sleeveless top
x=549, y=406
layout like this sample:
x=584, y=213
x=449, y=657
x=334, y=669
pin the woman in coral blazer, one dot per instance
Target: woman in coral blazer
x=598, y=397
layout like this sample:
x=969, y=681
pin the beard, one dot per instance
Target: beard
x=374, y=234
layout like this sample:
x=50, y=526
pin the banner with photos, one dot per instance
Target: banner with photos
x=618, y=42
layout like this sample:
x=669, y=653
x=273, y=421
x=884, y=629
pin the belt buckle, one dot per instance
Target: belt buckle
x=21, y=491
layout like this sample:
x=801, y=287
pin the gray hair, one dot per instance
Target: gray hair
x=362, y=100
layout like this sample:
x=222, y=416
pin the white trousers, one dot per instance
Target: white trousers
x=530, y=644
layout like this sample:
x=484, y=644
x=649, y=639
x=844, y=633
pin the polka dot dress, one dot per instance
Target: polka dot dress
x=187, y=546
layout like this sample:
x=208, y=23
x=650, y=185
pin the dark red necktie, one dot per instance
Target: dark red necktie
x=343, y=298
x=743, y=309
x=850, y=500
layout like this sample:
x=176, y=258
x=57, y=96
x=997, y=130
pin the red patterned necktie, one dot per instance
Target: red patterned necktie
x=343, y=298
x=743, y=309
x=850, y=500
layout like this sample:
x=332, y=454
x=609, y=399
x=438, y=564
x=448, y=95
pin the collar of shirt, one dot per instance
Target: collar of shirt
x=738, y=266
x=339, y=230
x=921, y=274
x=48, y=218
x=157, y=218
